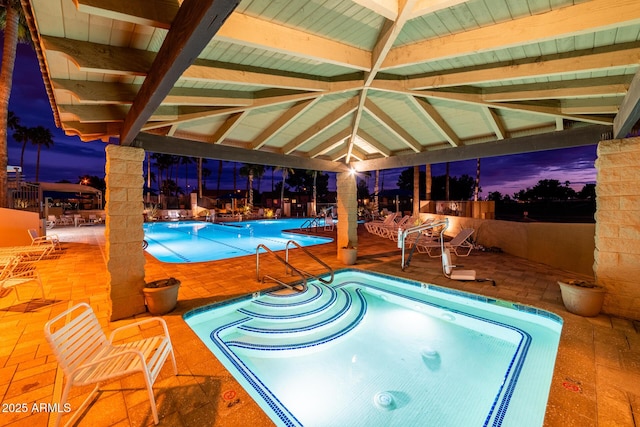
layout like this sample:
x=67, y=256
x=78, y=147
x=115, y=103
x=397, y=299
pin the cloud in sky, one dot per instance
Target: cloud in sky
x=70, y=158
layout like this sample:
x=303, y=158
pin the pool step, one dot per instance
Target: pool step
x=278, y=335
x=309, y=304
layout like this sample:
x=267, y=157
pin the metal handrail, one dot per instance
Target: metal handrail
x=402, y=235
x=312, y=256
x=288, y=267
x=313, y=222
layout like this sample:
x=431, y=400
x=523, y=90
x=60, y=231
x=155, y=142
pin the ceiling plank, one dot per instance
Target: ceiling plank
x=626, y=55
x=177, y=146
x=581, y=136
x=321, y=125
x=588, y=16
x=288, y=117
x=385, y=120
x=629, y=113
x=437, y=121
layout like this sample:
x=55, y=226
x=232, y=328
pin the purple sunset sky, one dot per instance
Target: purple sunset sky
x=70, y=158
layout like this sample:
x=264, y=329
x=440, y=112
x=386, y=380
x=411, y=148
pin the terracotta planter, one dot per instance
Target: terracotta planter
x=348, y=256
x=582, y=298
x=161, y=296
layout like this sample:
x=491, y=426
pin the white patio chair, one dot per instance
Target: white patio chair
x=329, y=223
x=14, y=271
x=87, y=357
x=51, y=239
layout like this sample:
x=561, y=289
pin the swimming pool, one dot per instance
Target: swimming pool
x=196, y=241
x=377, y=350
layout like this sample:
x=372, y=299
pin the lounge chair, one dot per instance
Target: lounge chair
x=372, y=226
x=451, y=272
x=51, y=239
x=329, y=223
x=15, y=271
x=31, y=253
x=87, y=357
x=459, y=244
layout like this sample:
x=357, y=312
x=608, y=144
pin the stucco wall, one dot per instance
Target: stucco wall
x=14, y=225
x=617, y=253
x=566, y=246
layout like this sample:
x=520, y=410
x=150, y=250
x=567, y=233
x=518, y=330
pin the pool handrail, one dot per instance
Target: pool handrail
x=402, y=235
x=288, y=267
x=313, y=257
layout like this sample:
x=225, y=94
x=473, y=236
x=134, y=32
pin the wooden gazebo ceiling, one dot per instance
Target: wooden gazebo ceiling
x=324, y=83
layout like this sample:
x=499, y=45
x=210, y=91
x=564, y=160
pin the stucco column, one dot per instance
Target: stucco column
x=617, y=237
x=347, y=210
x=124, y=230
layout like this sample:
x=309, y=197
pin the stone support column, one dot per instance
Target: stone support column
x=617, y=236
x=347, y=210
x=124, y=231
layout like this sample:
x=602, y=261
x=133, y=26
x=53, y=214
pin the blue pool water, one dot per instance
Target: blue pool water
x=195, y=241
x=376, y=350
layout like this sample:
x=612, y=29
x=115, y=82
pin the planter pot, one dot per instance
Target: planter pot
x=161, y=296
x=582, y=298
x=348, y=256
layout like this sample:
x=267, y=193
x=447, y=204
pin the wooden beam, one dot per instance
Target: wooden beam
x=330, y=143
x=195, y=24
x=424, y=7
x=100, y=58
x=228, y=126
x=495, y=122
x=380, y=147
x=587, y=135
x=578, y=62
x=629, y=113
x=386, y=8
x=239, y=29
x=321, y=125
x=580, y=88
x=388, y=123
x=437, y=120
x=180, y=147
x=288, y=117
x=90, y=92
x=136, y=11
x=591, y=16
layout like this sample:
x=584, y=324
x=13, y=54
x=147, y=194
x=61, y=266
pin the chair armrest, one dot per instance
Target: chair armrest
x=140, y=323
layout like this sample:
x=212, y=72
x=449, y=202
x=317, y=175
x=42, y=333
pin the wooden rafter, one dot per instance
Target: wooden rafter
x=388, y=123
x=564, y=22
x=432, y=115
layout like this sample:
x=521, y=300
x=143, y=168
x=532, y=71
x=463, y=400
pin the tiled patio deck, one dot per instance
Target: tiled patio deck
x=596, y=380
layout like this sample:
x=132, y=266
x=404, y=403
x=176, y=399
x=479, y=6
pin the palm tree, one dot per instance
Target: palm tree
x=21, y=135
x=476, y=189
x=13, y=23
x=285, y=173
x=186, y=161
x=42, y=137
x=376, y=190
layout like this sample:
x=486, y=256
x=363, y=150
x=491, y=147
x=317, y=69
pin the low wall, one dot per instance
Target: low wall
x=566, y=246
x=14, y=225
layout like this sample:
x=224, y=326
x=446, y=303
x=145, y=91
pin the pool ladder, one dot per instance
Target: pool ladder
x=311, y=223
x=290, y=269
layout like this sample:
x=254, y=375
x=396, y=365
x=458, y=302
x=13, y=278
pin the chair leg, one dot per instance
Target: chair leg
x=152, y=399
